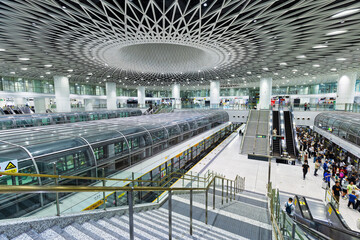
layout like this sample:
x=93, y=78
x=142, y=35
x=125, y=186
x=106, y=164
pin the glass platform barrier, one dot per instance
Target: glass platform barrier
x=133, y=192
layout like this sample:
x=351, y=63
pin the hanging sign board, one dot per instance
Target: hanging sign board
x=9, y=166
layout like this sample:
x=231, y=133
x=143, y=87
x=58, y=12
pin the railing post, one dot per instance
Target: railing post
x=283, y=228
x=104, y=184
x=222, y=192
x=131, y=213
x=293, y=231
x=57, y=194
x=227, y=190
x=170, y=215
x=198, y=180
x=191, y=178
x=230, y=191
x=214, y=193
x=191, y=204
x=206, y=205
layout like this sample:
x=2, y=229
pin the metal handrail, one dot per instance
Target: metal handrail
x=236, y=185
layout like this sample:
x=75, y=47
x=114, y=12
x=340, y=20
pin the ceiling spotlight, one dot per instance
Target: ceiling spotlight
x=2, y=50
x=24, y=69
x=265, y=69
x=340, y=59
x=248, y=72
x=12, y=72
x=48, y=73
x=337, y=32
x=294, y=70
x=42, y=76
x=283, y=64
x=48, y=65
x=306, y=74
x=232, y=75
x=320, y=46
x=345, y=13
x=316, y=65
x=301, y=56
x=70, y=70
x=276, y=74
x=205, y=4
x=24, y=59
x=333, y=69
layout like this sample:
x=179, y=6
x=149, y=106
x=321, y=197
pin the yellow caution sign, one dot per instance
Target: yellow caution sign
x=94, y=206
x=10, y=166
x=330, y=210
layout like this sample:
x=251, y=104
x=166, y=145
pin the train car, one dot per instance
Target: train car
x=39, y=119
x=95, y=149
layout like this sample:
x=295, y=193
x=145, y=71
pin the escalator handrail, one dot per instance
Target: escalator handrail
x=346, y=230
x=292, y=132
x=311, y=231
x=279, y=124
x=341, y=220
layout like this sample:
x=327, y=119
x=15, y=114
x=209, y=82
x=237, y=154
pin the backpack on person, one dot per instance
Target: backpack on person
x=288, y=208
x=341, y=175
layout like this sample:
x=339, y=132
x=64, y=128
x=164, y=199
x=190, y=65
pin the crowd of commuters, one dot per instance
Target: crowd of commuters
x=337, y=166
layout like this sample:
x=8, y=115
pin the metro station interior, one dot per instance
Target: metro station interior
x=179, y=119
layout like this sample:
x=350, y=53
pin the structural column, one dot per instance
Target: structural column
x=141, y=96
x=111, y=96
x=175, y=93
x=62, y=94
x=345, y=90
x=265, y=93
x=40, y=105
x=19, y=101
x=89, y=104
x=214, y=94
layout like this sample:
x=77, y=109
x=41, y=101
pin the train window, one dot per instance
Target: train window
x=99, y=153
x=27, y=180
x=118, y=147
x=70, y=162
x=60, y=166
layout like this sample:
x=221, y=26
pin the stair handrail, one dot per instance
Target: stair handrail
x=236, y=186
x=256, y=132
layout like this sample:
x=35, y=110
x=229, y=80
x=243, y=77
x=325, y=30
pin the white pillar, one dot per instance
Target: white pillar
x=345, y=90
x=265, y=93
x=19, y=101
x=175, y=93
x=89, y=104
x=111, y=96
x=40, y=105
x=141, y=96
x=62, y=94
x=214, y=94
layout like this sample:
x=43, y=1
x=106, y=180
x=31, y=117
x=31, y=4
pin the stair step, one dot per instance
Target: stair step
x=122, y=232
x=23, y=236
x=51, y=234
x=97, y=231
x=3, y=237
x=76, y=233
x=62, y=233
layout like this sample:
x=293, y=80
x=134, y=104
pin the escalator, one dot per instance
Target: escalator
x=290, y=146
x=323, y=219
x=276, y=143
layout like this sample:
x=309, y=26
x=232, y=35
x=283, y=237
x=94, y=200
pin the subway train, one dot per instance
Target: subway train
x=98, y=148
x=344, y=125
x=41, y=119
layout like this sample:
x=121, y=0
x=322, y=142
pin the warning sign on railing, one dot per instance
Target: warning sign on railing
x=9, y=166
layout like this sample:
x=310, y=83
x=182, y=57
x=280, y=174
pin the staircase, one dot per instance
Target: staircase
x=289, y=134
x=245, y=216
x=276, y=142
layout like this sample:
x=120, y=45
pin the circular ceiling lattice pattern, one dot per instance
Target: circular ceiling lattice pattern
x=159, y=42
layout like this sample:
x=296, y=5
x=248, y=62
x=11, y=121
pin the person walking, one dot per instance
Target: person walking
x=289, y=207
x=327, y=176
x=336, y=189
x=317, y=166
x=306, y=168
x=352, y=198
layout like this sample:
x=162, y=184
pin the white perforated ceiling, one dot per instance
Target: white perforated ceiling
x=159, y=42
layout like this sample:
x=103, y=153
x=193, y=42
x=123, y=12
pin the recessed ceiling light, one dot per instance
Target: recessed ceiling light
x=276, y=74
x=320, y=46
x=41, y=76
x=47, y=65
x=2, y=50
x=12, y=72
x=316, y=65
x=345, y=13
x=294, y=70
x=301, y=56
x=306, y=74
x=336, y=32
x=265, y=69
x=248, y=72
x=48, y=73
x=24, y=59
x=283, y=77
x=70, y=70
x=24, y=69
x=283, y=64
x=340, y=59
x=333, y=69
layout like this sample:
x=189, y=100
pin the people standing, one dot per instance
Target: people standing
x=336, y=189
x=352, y=198
x=306, y=168
x=289, y=207
x=327, y=176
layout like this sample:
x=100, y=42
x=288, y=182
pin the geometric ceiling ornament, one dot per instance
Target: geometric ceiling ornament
x=159, y=42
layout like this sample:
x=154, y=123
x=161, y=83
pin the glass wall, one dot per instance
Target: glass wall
x=82, y=89
x=15, y=84
x=121, y=92
x=195, y=93
x=158, y=93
